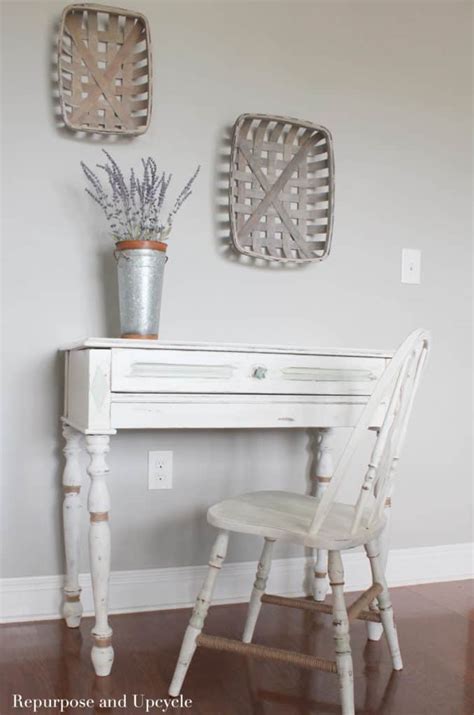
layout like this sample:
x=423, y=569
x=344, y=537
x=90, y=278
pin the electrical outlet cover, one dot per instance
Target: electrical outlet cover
x=160, y=470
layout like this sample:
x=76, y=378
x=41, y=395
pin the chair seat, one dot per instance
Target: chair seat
x=287, y=516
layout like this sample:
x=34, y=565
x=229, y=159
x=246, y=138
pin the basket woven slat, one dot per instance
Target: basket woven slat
x=104, y=70
x=281, y=188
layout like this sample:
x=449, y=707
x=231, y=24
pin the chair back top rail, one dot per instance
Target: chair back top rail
x=397, y=387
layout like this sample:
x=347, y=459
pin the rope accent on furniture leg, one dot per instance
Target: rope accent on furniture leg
x=306, y=605
x=341, y=634
x=324, y=472
x=258, y=590
x=72, y=512
x=98, y=504
x=385, y=606
x=199, y=614
x=261, y=651
x=370, y=616
x=301, y=603
x=99, y=516
x=102, y=641
x=72, y=597
x=364, y=600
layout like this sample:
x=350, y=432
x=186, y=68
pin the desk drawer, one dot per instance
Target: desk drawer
x=205, y=371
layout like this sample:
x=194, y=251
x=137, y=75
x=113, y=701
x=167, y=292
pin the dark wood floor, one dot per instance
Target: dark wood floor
x=435, y=624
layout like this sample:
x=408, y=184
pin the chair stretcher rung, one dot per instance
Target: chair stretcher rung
x=364, y=600
x=307, y=605
x=302, y=603
x=262, y=651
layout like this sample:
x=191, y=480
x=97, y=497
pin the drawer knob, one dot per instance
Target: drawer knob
x=260, y=372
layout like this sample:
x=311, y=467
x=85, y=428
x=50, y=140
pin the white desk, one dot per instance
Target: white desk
x=140, y=384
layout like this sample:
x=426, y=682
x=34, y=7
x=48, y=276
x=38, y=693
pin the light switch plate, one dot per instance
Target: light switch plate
x=160, y=470
x=411, y=265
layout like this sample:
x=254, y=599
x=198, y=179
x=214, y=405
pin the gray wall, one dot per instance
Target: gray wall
x=391, y=81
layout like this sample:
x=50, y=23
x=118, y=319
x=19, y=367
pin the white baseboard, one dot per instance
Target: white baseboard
x=40, y=597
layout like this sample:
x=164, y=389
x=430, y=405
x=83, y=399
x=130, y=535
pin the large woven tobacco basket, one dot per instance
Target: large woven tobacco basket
x=104, y=67
x=281, y=188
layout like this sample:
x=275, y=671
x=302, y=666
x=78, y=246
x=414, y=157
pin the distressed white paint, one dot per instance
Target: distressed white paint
x=98, y=504
x=323, y=473
x=341, y=634
x=106, y=390
x=164, y=345
x=397, y=388
x=154, y=411
x=88, y=389
x=72, y=512
x=255, y=603
x=101, y=388
x=321, y=374
x=375, y=630
x=326, y=524
x=201, y=607
x=287, y=516
x=245, y=371
x=385, y=606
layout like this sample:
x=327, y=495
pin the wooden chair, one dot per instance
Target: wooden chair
x=321, y=523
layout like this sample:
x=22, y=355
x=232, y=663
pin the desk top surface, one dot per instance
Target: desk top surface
x=221, y=347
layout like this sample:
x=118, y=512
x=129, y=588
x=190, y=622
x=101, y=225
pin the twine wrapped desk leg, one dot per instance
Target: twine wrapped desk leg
x=72, y=509
x=99, y=550
x=341, y=634
x=385, y=606
x=199, y=614
x=258, y=590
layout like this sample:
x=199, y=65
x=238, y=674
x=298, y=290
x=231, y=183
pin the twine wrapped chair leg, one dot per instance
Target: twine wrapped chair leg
x=341, y=633
x=384, y=603
x=258, y=591
x=218, y=554
x=321, y=523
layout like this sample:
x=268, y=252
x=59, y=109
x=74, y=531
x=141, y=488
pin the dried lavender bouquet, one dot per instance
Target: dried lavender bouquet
x=134, y=208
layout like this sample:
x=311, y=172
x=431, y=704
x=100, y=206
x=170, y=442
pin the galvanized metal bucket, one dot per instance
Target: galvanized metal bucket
x=140, y=268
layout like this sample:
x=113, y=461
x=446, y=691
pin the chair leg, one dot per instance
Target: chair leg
x=321, y=576
x=385, y=606
x=341, y=633
x=375, y=630
x=199, y=614
x=258, y=590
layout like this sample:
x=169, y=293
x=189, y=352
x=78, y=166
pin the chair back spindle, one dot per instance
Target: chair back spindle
x=396, y=390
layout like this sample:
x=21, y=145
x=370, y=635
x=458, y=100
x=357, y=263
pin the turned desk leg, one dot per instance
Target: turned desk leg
x=72, y=509
x=99, y=548
x=323, y=475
